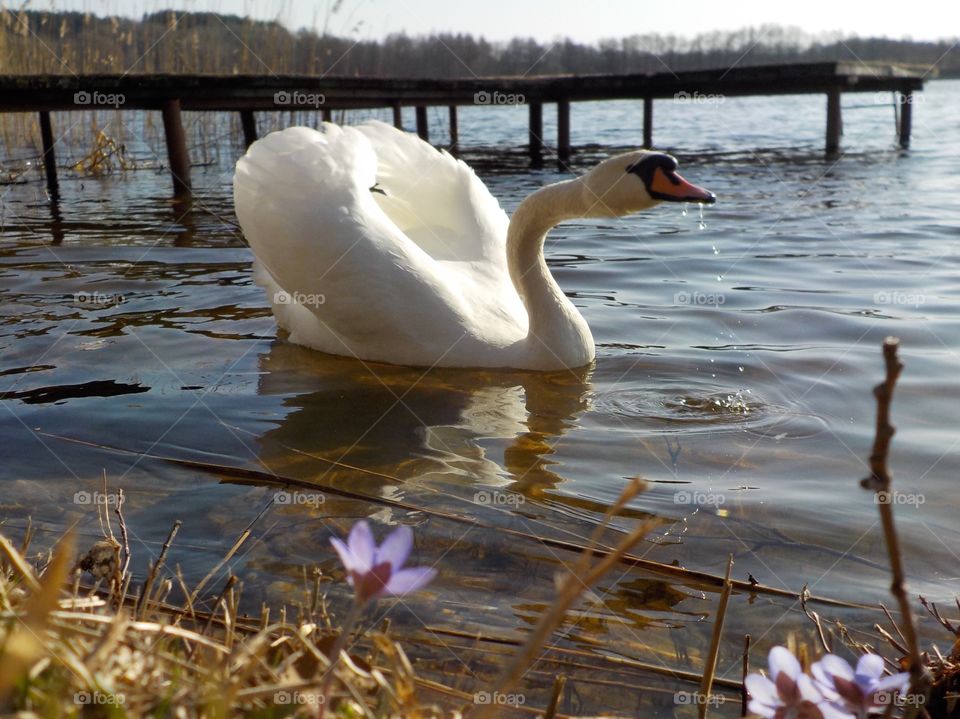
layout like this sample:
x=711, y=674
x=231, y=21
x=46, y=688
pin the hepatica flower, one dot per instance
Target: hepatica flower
x=787, y=694
x=835, y=691
x=858, y=692
x=374, y=571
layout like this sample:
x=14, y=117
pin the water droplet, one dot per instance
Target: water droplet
x=703, y=225
x=715, y=250
x=740, y=368
x=684, y=209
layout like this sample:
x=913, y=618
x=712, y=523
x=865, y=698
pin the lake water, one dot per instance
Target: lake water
x=734, y=371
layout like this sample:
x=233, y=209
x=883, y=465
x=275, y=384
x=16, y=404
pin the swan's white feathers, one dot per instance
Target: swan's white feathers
x=401, y=277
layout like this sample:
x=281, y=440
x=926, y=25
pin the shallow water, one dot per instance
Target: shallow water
x=733, y=375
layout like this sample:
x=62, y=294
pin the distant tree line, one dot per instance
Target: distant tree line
x=168, y=41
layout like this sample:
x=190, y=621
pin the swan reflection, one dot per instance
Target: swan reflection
x=458, y=427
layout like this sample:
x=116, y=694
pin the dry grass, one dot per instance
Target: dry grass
x=68, y=649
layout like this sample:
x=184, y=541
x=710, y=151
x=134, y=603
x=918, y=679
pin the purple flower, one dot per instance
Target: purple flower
x=787, y=694
x=374, y=571
x=859, y=692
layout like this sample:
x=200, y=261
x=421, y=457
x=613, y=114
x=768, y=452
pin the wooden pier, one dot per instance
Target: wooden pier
x=247, y=94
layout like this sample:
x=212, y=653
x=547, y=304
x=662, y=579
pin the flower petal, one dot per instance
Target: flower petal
x=373, y=583
x=762, y=690
x=899, y=681
x=833, y=666
x=869, y=669
x=808, y=690
x=396, y=547
x=833, y=711
x=346, y=556
x=362, y=546
x=761, y=710
x=780, y=661
x=410, y=580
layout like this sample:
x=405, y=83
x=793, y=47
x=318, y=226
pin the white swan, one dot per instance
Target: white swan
x=372, y=243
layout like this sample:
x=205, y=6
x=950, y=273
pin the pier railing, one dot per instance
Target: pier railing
x=247, y=94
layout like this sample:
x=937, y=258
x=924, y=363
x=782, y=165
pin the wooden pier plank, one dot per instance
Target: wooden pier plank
x=176, y=147
x=173, y=94
x=563, y=130
x=249, y=123
x=834, y=121
x=49, y=156
x=423, y=126
x=535, y=133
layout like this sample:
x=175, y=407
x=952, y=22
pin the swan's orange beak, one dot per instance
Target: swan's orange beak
x=669, y=186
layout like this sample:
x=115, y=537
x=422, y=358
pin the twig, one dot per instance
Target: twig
x=880, y=482
x=558, y=685
x=711, y=665
x=123, y=533
x=935, y=613
x=231, y=580
x=151, y=575
x=744, y=695
x=574, y=586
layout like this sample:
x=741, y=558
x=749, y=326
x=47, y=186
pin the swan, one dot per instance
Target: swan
x=372, y=243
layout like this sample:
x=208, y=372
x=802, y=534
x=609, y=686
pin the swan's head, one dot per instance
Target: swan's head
x=636, y=181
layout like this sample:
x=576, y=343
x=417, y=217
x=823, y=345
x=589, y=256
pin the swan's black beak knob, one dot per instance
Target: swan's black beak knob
x=663, y=182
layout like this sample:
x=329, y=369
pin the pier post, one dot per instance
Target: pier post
x=422, y=128
x=535, y=135
x=49, y=158
x=249, y=123
x=176, y=147
x=648, y=122
x=834, y=120
x=905, y=98
x=563, y=130
x=398, y=115
x=327, y=114
x=454, y=131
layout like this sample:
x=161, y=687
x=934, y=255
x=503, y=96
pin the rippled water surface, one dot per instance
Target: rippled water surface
x=733, y=375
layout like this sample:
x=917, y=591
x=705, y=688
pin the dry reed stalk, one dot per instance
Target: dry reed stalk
x=880, y=482
x=710, y=667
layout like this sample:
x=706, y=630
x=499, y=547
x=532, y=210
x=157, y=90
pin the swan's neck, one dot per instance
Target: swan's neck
x=557, y=331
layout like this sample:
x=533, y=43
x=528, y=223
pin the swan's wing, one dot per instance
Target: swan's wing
x=437, y=200
x=341, y=274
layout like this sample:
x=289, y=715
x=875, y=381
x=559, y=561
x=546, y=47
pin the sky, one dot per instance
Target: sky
x=581, y=20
